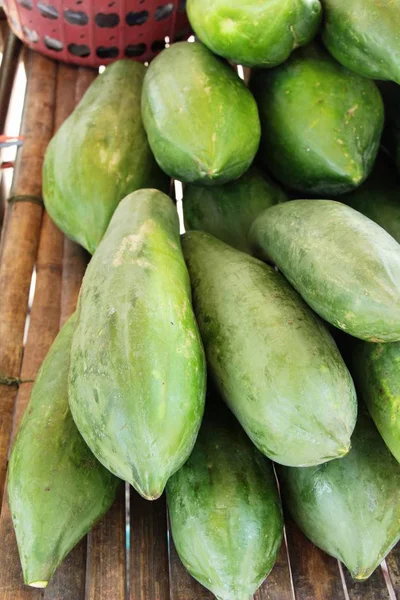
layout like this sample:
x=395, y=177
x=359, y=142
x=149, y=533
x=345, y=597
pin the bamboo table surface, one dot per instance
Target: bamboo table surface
x=130, y=554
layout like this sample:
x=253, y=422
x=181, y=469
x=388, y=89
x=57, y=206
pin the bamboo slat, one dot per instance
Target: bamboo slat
x=315, y=575
x=107, y=555
x=8, y=69
x=149, y=552
x=21, y=235
x=374, y=588
x=393, y=564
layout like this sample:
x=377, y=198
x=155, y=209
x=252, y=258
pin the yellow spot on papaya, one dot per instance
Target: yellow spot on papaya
x=352, y=110
x=214, y=137
x=132, y=244
x=173, y=245
x=228, y=25
x=340, y=142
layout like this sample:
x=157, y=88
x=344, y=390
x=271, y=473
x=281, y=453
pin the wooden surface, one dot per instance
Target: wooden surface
x=130, y=554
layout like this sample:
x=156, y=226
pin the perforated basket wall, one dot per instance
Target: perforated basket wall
x=96, y=32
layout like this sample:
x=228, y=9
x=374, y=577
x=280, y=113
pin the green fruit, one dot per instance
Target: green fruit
x=228, y=211
x=349, y=507
x=345, y=266
x=56, y=488
x=379, y=198
x=321, y=124
x=254, y=33
x=376, y=370
x=364, y=35
x=137, y=378
x=274, y=362
x=201, y=120
x=224, y=509
x=391, y=135
x=99, y=155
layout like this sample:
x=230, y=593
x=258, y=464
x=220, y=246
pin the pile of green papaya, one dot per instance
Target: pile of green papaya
x=246, y=353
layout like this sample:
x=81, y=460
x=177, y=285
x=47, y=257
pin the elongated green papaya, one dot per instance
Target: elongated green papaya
x=379, y=198
x=224, y=509
x=228, y=211
x=137, y=377
x=201, y=120
x=376, y=371
x=364, y=35
x=274, y=362
x=56, y=488
x=99, y=155
x=321, y=124
x=349, y=507
x=345, y=266
x=253, y=33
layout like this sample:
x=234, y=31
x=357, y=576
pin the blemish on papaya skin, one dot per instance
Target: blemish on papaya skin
x=132, y=244
x=352, y=111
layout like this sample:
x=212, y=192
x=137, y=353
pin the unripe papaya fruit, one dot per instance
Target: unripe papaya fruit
x=228, y=211
x=137, y=377
x=321, y=124
x=224, y=508
x=253, y=33
x=274, y=362
x=349, y=507
x=201, y=120
x=99, y=155
x=364, y=35
x=57, y=490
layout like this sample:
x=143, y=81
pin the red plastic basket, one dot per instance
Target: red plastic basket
x=97, y=32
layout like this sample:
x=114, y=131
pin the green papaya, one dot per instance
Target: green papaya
x=99, y=155
x=228, y=211
x=56, y=488
x=391, y=135
x=346, y=267
x=225, y=512
x=350, y=508
x=321, y=124
x=201, y=120
x=364, y=35
x=376, y=371
x=137, y=377
x=252, y=33
x=379, y=198
x=274, y=362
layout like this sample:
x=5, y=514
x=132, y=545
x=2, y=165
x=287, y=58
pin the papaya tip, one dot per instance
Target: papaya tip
x=39, y=584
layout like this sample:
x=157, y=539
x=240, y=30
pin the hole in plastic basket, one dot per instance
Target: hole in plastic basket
x=135, y=50
x=110, y=52
x=112, y=37
x=182, y=6
x=47, y=10
x=79, y=50
x=106, y=20
x=76, y=17
x=158, y=45
x=137, y=18
x=164, y=11
x=31, y=34
x=26, y=4
x=111, y=4
x=53, y=44
x=79, y=1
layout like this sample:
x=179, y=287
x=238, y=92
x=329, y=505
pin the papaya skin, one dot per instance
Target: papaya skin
x=99, y=155
x=254, y=33
x=321, y=124
x=57, y=490
x=378, y=197
x=376, y=371
x=138, y=376
x=201, y=120
x=364, y=36
x=228, y=211
x=350, y=508
x=260, y=339
x=224, y=509
x=345, y=266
